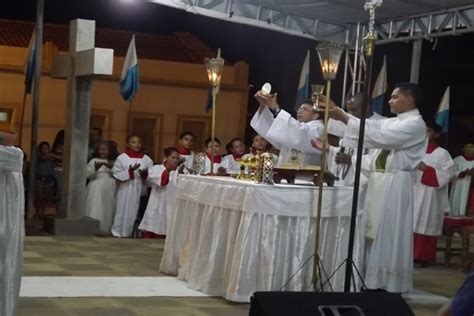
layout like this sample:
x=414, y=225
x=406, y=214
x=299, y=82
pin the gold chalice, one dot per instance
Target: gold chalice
x=318, y=90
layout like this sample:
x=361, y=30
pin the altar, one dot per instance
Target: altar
x=230, y=238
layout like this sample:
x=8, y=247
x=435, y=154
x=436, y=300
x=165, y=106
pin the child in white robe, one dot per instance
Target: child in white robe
x=461, y=187
x=160, y=205
x=131, y=169
x=430, y=197
x=235, y=149
x=221, y=166
x=259, y=146
x=100, y=198
x=185, y=145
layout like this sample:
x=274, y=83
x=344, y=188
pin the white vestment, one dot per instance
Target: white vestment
x=189, y=160
x=430, y=203
x=12, y=208
x=344, y=172
x=128, y=193
x=233, y=165
x=291, y=137
x=389, y=199
x=100, y=199
x=460, y=187
x=160, y=204
x=224, y=164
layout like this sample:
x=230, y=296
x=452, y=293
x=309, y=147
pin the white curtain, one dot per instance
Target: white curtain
x=11, y=227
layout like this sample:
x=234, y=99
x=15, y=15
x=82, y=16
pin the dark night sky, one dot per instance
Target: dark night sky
x=276, y=57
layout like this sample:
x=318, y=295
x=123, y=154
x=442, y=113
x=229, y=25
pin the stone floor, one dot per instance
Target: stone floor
x=100, y=256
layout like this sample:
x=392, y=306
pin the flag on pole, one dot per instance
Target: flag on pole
x=209, y=99
x=303, y=85
x=442, y=115
x=380, y=88
x=129, y=80
x=29, y=68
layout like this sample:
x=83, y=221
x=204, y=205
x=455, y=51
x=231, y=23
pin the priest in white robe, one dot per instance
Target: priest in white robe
x=401, y=143
x=430, y=197
x=292, y=137
x=461, y=188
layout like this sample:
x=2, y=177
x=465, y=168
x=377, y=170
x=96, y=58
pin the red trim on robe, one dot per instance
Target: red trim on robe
x=429, y=177
x=431, y=147
x=424, y=248
x=217, y=158
x=165, y=178
x=236, y=156
x=134, y=154
x=151, y=235
x=184, y=151
x=131, y=174
x=468, y=158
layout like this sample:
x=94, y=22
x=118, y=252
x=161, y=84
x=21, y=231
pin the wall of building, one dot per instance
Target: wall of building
x=168, y=90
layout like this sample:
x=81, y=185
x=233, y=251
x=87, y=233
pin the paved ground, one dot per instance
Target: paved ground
x=100, y=256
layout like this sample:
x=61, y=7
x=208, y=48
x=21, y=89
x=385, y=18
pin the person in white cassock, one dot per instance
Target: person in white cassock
x=235, y=149
x=160, y=205
x=430, y=197
x=401, y=143
x=342, y=159
x=462, y=186
x=292, y=137
x=221, y=166
x=185, y=145
x=131, y=170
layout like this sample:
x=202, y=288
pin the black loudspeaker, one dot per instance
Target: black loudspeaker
x=328, y=304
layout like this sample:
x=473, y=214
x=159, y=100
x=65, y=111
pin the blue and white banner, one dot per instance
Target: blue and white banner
x=303, y=85
x=380, y=88
x=442, y=115
x=129, y=80
x=30, y=64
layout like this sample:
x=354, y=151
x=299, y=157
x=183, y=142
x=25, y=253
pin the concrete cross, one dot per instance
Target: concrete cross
x=79, y=66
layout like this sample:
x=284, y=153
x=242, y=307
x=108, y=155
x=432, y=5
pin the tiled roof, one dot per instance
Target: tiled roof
x=181, y=47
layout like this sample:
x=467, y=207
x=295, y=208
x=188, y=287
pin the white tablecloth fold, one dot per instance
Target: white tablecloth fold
x=230, y=238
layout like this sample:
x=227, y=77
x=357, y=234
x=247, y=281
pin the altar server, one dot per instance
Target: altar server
x=186, y=141
x=221, y=166
x=235, y=149
x=260, y=146
x=401, y=142
x=461, y=188
x=131, y=170
x=342, y=159
x=160, y=205
x=430, y=196
x=100, y=198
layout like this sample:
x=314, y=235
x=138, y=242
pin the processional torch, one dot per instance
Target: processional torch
x=329, y=56
x=214, y=67
x=369, y=41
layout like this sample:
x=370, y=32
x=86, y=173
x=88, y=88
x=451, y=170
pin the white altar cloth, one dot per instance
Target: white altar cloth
x=11, y=227
x=231, y=238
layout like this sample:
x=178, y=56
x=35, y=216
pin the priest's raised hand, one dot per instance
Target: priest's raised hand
x=269, y=100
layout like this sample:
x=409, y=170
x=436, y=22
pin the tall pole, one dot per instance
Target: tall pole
x=213, y=126
x=129, y=118
x=369, y=52
x=36, y=102
x=22, y=117
x=415, y=61
x=316, y=267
